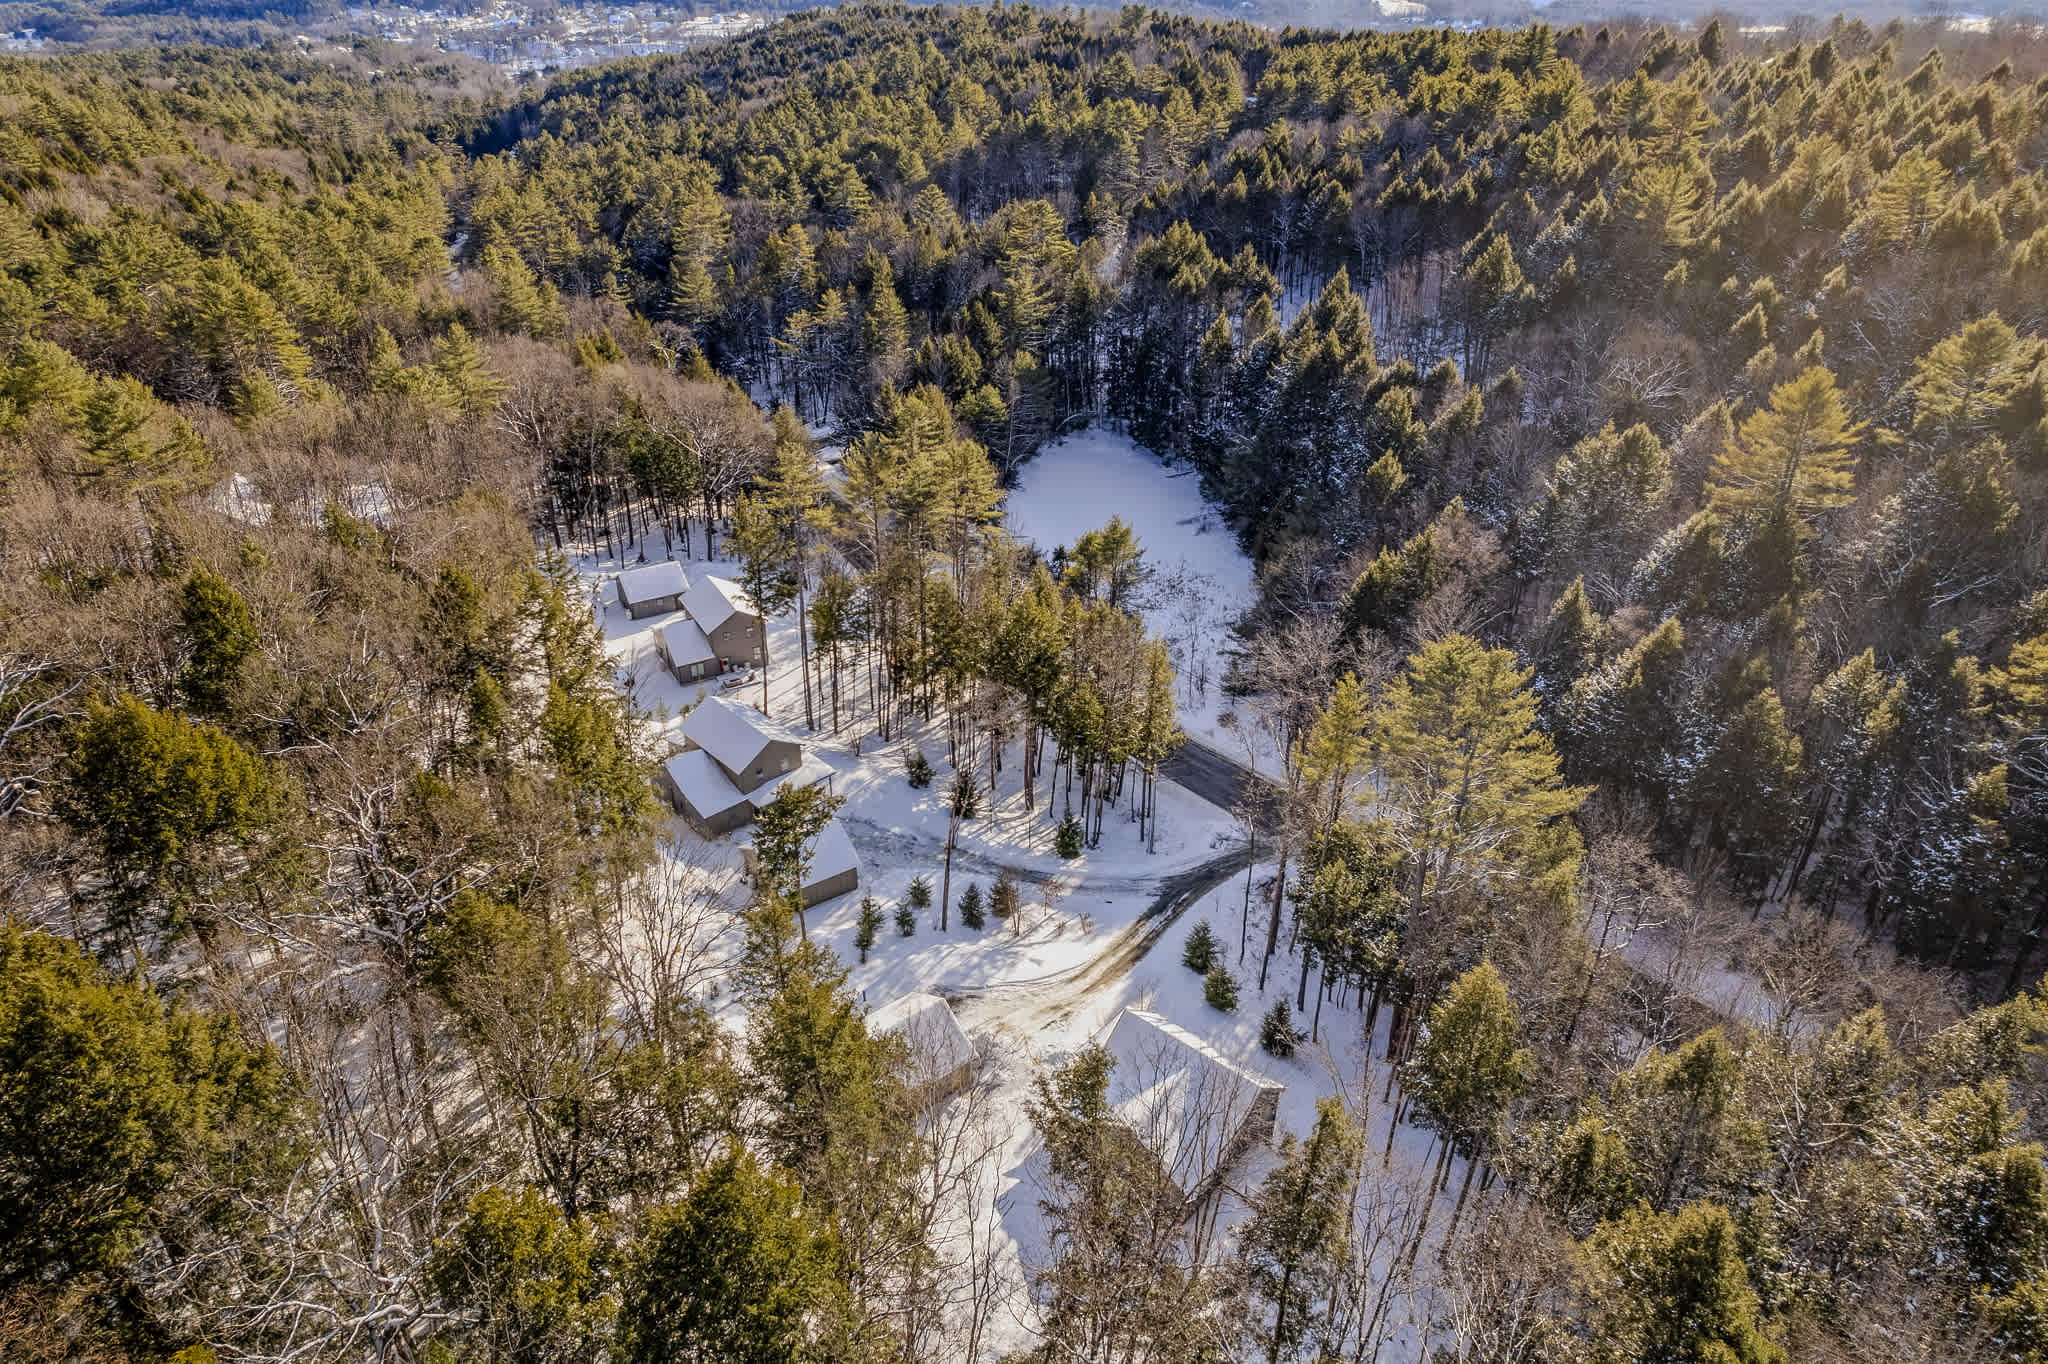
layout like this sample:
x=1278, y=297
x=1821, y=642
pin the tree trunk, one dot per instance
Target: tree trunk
x=946, y=877
x=1273, y=925
x=1458, y=1209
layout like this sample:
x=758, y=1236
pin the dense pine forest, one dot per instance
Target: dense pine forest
x=1642, y=440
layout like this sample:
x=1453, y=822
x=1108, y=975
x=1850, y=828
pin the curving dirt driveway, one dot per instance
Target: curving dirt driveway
x=1028, y=1005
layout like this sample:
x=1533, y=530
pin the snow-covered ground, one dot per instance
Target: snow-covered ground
x=1201, y=583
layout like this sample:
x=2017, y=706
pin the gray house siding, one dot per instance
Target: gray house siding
x=688, y=672
x=740, y=641
x=820, y=891
x=774, y=759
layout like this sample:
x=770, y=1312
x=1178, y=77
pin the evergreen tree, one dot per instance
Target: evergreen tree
x=870, y=924
x=1467, y=1068
x=1684, y=1122
x=1792, y=456
x=221, y=634
x=765, y=546
x=1470, y=785
x=738, y=1270
x=1295, y=1243
x=1276, y=1030
x=528, y=1280
x=1335, y=749
x=1005, y=900
x=459, y=364
x=1219, y=988
x=1199, y=953
x=1671, y=1288
x=123, y=1119
x=1068, y=840
x=161, y=797
x=786, y=831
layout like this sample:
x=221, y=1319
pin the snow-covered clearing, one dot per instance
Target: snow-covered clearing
x=1201, y=581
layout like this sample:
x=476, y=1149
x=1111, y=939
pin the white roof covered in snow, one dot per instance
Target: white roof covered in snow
x=712, y=601
x=938, y=1044
x=686, y=643
x=664, y=579
x=1184, y=1099
x=832, y=853
x=703, y=784
x=730, y=731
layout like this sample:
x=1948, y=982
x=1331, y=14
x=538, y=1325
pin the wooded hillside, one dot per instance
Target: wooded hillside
x=1643, y=441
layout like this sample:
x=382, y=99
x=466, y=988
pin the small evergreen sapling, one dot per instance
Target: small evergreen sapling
x=1200, y=953
x=1219, y=988
x=971, y=914
x=919, y=771
x=906, y=920
x=1276, y=1031
x=920, y=892
x=870, y=925
x=1067, y=840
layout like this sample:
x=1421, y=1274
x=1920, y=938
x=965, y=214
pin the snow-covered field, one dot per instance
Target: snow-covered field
x=1201, y=581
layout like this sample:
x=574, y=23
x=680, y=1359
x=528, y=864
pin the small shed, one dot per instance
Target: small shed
x=941, y=1053
x=698, y=790
x=1194, y=1108
x=741, y=741
x=835, y=866
x=686, y=652
x=652, y=589
x=728, y=619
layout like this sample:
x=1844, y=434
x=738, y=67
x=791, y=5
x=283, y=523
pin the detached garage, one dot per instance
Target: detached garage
x=834, y=869
x=652, y=590
x=1194, y=1108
